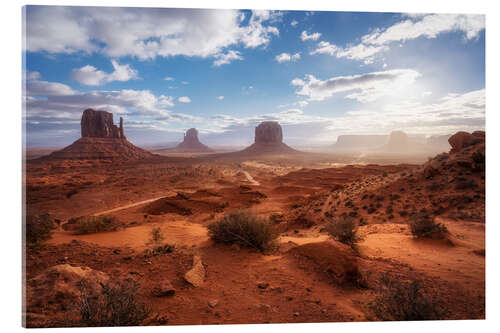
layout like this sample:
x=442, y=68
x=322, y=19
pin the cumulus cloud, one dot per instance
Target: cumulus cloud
x=226, y=58
x=90, y=76
x=145, y=33
x=184, y=99
x=314, y=36
x=286, y=57
x=169, y=78
x=220, y=98
x=366, y=87
x=294, y=23
x=412, y=27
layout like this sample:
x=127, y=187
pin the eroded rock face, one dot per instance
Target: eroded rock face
x=99, y=124
x=461, y=140
x=268, y=132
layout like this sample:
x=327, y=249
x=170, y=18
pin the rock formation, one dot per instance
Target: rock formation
x=360, y=142
x=268, y=140
x=191, y=143
x=398, y=142
x=461, y=140
x=101, y=139
x=99, y=124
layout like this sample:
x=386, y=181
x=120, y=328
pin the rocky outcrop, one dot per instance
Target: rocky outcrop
x=268, y=140
x=99, y=124
x=196, y=275
x=461, y=140
x=101, y=140
x=60, y=286
x=268, y=132
x=192, y=143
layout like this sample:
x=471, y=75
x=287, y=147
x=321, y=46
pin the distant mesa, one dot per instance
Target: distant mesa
x=192, y=143
x=398, y=142
x=268, y=140
x=359, y=142
x=101, y=139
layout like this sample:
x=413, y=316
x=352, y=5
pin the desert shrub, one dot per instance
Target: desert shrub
x=118, y=304
x=464, y=184
x=156, y=236
x=344, y=230
x=243, y=228
x=38, y=228
x=92, y=224
x=422, y=225
x=399, y=300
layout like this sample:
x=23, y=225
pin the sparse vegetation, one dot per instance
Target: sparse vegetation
x=243, y=228
x=39, y=228
x=422, y=225
x=118, y=304
x=156, y=236
x=93, y=224
x=399, y=300
x=344, y=230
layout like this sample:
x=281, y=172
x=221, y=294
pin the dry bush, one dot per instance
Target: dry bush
x=38, y=228
x=243, y=228
x=422, y=225
x=399, y=300
x=117, y=305
x=93, y=224
x=344, y=230
x=156, y=236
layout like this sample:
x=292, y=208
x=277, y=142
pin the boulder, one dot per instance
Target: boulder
x=335, y=260
x=99, y=124
x=196, y=275
x=268, y=132
x=163, y=288
x=461, y=140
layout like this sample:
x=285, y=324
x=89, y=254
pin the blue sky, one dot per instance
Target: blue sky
x=320, y=74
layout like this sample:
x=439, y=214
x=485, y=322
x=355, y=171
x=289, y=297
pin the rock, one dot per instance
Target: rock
x=99, y=124
x=60, y=286
x=461, y=140
x=196, y=275
x=191, y=143
x=163, y=289
x=213, y=303
x=268, y=132
x=262, y=285
x=338, y=261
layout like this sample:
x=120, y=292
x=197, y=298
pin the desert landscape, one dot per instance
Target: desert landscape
x=119, y=235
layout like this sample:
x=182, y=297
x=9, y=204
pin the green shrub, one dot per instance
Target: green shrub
x=117, y=305
x=344, y=230
x=243, y=228
x=39, y=228
x=422, y=225
x=399, y=301
x=93, y=224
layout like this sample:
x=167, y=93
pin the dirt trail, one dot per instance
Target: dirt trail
x=127, y=206
x=250, y=178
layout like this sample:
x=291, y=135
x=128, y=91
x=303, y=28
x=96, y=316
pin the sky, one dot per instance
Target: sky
x=319, y=74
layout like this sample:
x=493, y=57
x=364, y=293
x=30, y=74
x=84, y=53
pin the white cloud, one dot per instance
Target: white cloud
x=169, y=78
x=44, y=88
x=220, y=98
x=145, y=33
x=185, y=83
x=285, y=57
x=294, y=23
x=226, y=58
x=314, y=36
x=90, y=76
x=412, y=27
x=184, y=99
x=366, y=87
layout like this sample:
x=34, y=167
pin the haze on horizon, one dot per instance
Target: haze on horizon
x=319, y=74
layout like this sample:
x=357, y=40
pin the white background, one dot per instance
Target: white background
x=10, y=156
